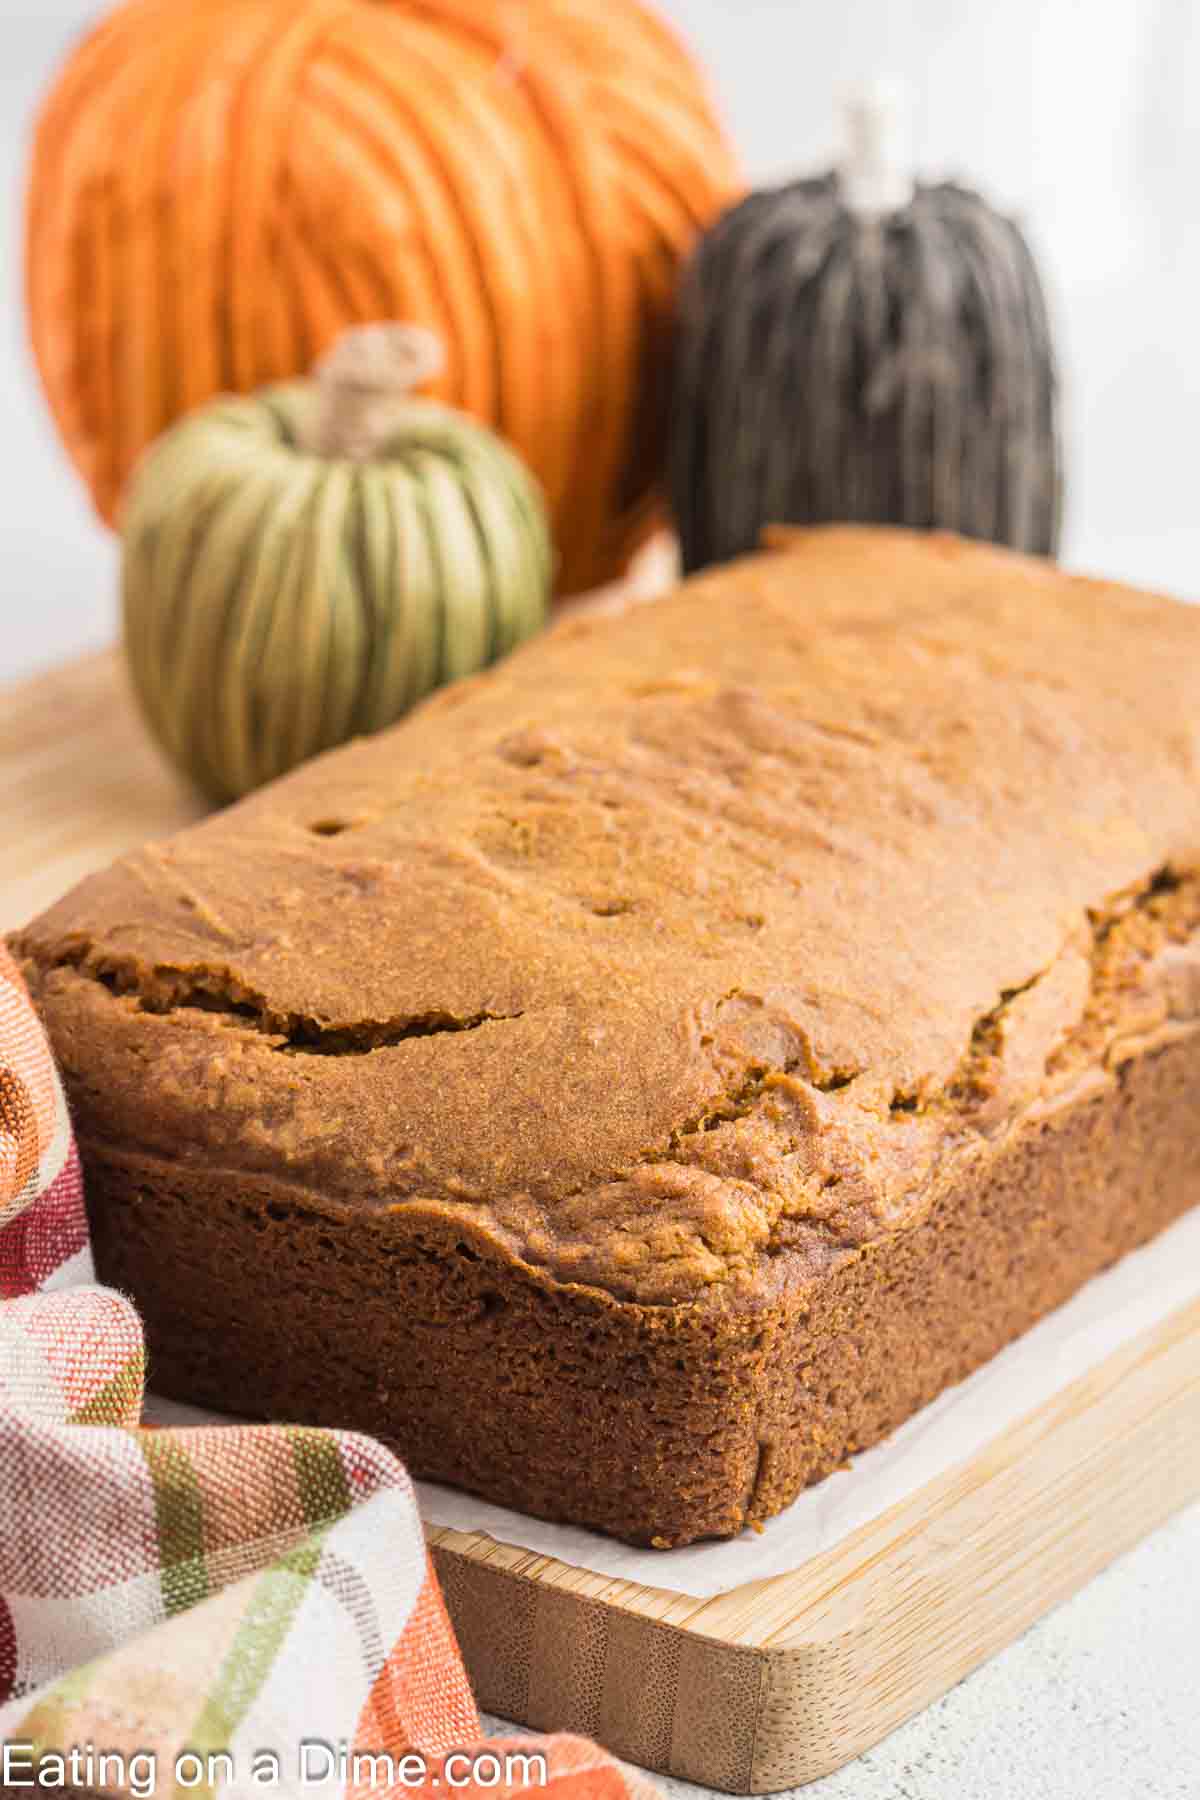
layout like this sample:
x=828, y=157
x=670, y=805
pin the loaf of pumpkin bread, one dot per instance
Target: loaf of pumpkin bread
x=665, y=1063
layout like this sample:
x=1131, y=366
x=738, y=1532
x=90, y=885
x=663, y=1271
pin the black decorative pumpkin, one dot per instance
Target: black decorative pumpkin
x=856, y=347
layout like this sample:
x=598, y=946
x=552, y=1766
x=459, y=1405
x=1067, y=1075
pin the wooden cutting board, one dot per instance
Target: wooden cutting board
x=781, y=1680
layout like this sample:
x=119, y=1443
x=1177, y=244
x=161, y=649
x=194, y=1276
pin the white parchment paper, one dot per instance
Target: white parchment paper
x=1143, y=1289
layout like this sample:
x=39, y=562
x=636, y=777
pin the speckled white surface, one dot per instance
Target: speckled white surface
x=1098, y=1701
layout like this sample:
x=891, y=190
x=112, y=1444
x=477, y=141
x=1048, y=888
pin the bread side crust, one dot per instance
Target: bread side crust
x=657, y=1424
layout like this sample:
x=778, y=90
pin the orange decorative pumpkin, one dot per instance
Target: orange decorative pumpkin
x=220, y=187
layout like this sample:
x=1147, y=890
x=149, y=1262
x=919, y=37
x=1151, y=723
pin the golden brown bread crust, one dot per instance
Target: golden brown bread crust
x=678, y=965
x=657, y=1423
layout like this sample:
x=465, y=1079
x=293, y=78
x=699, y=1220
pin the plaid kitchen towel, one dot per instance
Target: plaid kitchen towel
x=232, y=1610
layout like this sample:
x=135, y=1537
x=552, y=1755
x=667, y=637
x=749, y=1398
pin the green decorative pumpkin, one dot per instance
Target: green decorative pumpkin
x=303, y=566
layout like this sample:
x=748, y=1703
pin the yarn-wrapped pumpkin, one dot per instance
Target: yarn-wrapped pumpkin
x=220, y=187
x=304, y=565
x=859, y=346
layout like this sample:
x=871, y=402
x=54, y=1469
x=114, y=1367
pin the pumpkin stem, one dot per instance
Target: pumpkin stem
x=364, y=383
x=875, y=174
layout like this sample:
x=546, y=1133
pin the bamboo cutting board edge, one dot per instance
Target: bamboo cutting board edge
x=777, y=1682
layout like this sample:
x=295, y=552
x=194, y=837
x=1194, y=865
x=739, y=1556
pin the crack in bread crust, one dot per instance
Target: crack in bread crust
x=163, y=990
x=792, y=1137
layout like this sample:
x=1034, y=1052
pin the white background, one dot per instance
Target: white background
x=1082, y=117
